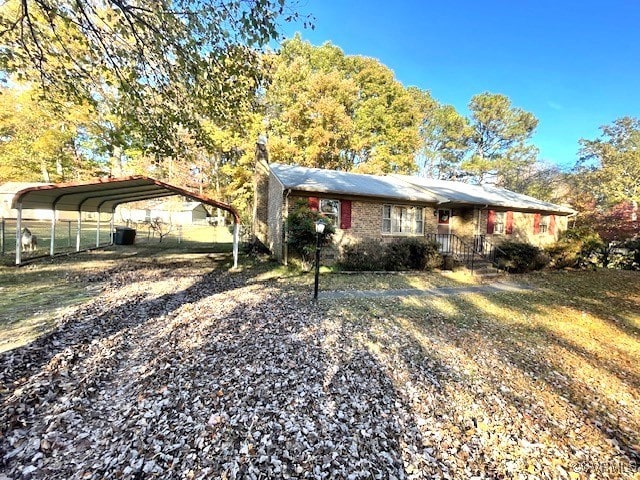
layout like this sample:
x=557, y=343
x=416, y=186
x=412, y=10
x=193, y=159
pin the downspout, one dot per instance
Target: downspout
x=285, y=226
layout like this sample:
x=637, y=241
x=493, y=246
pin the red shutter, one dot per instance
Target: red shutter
x=345, y=214
x=508, y=229
x=491, y=220
x=552, y=225
x=314, y=203
x=536, y=223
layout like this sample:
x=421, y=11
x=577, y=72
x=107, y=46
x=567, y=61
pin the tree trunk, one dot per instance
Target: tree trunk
x=116, y=161
x=45, y=172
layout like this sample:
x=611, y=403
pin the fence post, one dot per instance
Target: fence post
x=2, y=226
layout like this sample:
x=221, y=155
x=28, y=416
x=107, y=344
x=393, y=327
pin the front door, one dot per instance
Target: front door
x=444, y=230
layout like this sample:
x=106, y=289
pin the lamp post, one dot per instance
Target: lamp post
x=319, y=232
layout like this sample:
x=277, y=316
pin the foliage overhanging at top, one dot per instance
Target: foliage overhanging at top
x=168, y=62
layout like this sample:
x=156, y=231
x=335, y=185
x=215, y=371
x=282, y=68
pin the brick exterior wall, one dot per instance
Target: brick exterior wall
x=430, y=220
x=275, y=237
x=523, y=230
x=463, y=222
x=366, y=222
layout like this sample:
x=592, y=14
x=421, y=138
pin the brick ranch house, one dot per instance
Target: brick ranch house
x=387, y=207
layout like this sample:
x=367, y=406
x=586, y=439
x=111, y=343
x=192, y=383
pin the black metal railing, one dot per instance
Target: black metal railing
x=489, y=250
x=451, y=244
x=469, y=254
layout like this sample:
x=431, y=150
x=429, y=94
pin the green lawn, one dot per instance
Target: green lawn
x=34, y=296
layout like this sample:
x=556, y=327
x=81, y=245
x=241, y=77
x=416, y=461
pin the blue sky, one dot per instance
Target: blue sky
x=574, y=64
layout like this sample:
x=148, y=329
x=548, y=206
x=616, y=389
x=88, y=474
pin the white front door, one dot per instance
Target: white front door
x=444, y=230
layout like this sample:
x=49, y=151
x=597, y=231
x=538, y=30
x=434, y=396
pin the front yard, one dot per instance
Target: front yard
x=178, y=368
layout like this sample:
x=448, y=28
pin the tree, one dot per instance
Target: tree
x=169, y=63
x=500, y=139
x=611, y=164
x=385, y=120
x=309, y=103
x=606, y=180
x=544, y=181
x=619, y=222
x=445, y=137
x=329, y=110
x=37, y=144
x=301, y=232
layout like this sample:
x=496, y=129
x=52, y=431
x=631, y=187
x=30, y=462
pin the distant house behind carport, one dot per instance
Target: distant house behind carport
x=170, y=212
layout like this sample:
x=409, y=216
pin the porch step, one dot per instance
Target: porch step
x=488, y=275
x=484, y=269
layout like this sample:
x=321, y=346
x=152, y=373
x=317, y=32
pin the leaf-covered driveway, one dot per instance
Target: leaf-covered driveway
x=179, y=372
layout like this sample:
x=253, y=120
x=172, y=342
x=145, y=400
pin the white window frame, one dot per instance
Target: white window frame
x=402, y=220
x=544, y=223
x=499, y=223
x=333, y=217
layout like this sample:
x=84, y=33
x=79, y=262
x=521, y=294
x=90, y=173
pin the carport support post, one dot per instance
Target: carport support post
x=52, y=248
x=18, y=234
x=79, y=230
x=236, y=233
x=98, y=231
x=111, y=225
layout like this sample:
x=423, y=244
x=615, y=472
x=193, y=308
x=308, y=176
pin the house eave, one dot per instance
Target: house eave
x=363, y=198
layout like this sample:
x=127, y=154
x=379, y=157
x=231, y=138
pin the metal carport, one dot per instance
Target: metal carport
x=103, y=196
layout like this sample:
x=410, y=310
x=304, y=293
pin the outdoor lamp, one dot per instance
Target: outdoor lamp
x=319, y=231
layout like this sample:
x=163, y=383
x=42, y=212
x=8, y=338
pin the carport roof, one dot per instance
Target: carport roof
x=104, y=195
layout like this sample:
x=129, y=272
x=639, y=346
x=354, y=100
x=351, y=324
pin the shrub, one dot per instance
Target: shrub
x=412, y=254
x=365, y=255
x=625, y=255
x=520, y=257
x=301, y=231
x=401, y=254
x=577, y=248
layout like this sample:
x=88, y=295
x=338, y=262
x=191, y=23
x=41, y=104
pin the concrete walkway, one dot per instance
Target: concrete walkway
x=436, y=292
